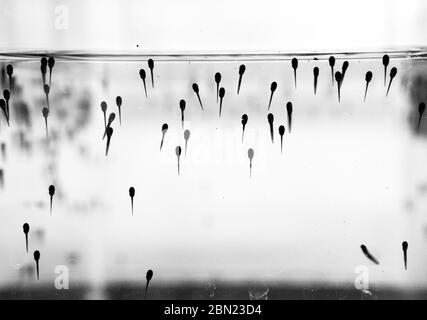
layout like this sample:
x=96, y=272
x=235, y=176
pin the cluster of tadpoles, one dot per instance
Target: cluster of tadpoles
x=44, y=64
x=5, y=102
x=374, y=260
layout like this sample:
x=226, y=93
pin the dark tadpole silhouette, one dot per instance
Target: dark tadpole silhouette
x=316, y=77
x=178, y=151
x=119, y=102
x=9, y=72
x=273, y=88
x=244, y=123
x=43, y=69
x=51, y=194
x=6, y=96
x=196, y=90
x=338, y=78
x=393, y=74
x=109, y=135
x=131, y=195
x=344, y=70
x=242, y=70
x=104, y=111
x=37, y=260
x=294, y=64
x=26, y=228
x=143, y=75
x=3, y=108
x=270, y=118
x=386, y=62
x=217, y=81
x=368, y=79
x=421, y=109
x=187, y=135
x=281, y=133
x=405, y=254
x=111, y=118
x=45, y=113
x=165, y=128
x=148, y=278
x=289, y=110
x=182, y=108
x=332, y=65
x=51, y=64
x=368, y=254
x=250, y=156
x=46, y=90
x=221, y=98
x=1, y=178
x=151, y=66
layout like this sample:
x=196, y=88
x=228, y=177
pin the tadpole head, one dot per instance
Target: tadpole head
x=250, y=153
x=332, y=61
x=405, y=245
x=282, y=130
x=393, y=72
x=338, y=76
x=244, y=119
x=51, y=62
x=52, y=190
x=294, y=63
x=119, y=101
x=270, y=118
x=344, y=66
x=43, y=62
x=195, y=88
x=187, y=134
x=131, y=192
x=149, y=275
x=242, y=69
x=221, y=92
x=178, y=151
x=182, y=104
x=6, y=94
x=386, y=60
x=150, y=63
x=46, y=88
x=165, y=127
x=273, y=86
x=104, y=106
x=364, y=249
x=421, y=107
x=316, y=71
x=109, y=132
x=9, y=70
x=26, y=228
x=36, y=255
x=142, y=74
x=368, y=76
x=217, y=77
x=111, y=117
x=289, y=108
x=45, y=112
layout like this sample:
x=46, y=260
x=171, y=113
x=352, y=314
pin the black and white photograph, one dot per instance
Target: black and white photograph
x=223, y=151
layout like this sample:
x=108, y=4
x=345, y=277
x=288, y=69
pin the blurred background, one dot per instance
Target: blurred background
x=351, y=173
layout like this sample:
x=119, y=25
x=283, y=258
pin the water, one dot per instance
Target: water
x=350, y=173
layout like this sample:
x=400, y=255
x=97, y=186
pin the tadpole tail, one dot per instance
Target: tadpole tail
x=389, y=86
x=272, y=133
x=200, y=101
x=26, y=241
x=295, y=77
x=220, y=107
x=38, y=271
x=51, y=204
x=131, y=204
x=281, y=144
x=47, y=132
x=269, y=102
x=405, y=260
x=120, y=115
x=152, y=78
x=243, y=133
x=239, y=84
x=108, y=147
x=145, y=88
x=366, y=92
